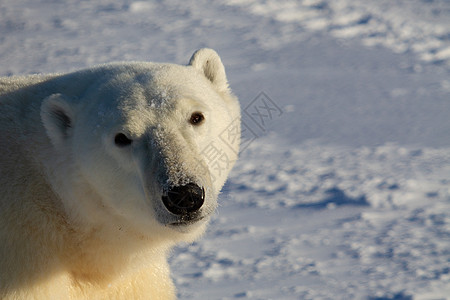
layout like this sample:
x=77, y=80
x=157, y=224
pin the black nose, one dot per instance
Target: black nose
x=184, y=199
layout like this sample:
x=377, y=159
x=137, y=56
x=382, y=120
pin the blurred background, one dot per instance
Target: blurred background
x=343, y=186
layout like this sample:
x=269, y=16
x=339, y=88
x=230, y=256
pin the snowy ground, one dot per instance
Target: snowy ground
x=343, y=187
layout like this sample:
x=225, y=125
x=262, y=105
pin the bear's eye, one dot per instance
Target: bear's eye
x=197, y=118
x=122, y=140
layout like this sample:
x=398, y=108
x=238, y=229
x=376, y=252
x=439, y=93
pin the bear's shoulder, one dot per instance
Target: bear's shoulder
x=14, y=83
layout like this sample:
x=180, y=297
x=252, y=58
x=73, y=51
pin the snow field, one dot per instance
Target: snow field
x=326, y=223
x=345, y=194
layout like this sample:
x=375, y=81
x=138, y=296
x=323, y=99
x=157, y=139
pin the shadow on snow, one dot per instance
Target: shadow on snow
x=335, y=196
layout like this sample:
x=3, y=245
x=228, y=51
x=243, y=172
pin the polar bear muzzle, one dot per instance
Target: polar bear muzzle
x=184, y=200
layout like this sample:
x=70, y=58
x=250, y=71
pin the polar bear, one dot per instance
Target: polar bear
x=103, y=170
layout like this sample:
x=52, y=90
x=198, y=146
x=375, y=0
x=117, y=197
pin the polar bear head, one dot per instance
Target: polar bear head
x=143, y=145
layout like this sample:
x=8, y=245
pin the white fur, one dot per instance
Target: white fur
x=80, y=217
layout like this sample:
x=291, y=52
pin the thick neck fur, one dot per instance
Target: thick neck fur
x=82, y=261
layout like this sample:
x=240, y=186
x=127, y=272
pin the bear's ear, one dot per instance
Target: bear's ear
x=208, y=62
x=57, y=117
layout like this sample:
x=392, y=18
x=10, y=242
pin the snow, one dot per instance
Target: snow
x=342, y=190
